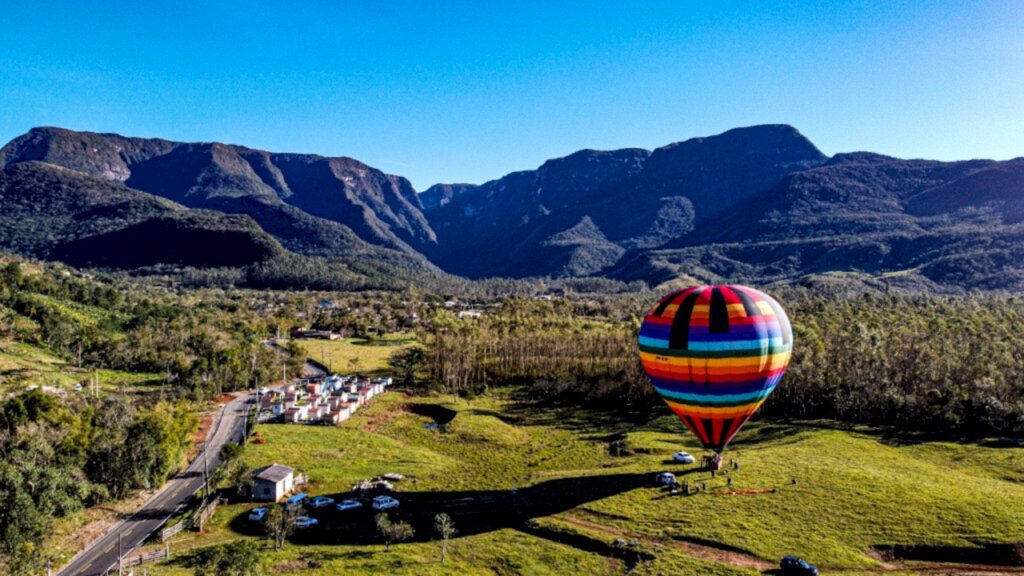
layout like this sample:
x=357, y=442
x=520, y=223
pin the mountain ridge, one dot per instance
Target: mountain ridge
x=754, y=204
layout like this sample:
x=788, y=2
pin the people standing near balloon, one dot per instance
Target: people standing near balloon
x=714, y=353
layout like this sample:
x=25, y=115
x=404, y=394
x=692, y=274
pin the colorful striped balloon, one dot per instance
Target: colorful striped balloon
x=714, y=353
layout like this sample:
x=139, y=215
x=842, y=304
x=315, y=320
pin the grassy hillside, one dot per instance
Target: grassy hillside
x=536, y=491
x=372, y=356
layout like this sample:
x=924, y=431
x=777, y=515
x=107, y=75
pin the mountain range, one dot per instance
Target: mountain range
x=758, y=204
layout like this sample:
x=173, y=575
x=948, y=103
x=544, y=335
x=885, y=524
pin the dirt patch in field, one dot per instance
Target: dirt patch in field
x=378, y=420
x=291, y=566
x=205, y=425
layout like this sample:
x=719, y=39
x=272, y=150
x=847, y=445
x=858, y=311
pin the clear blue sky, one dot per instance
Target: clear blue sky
x=468, y=91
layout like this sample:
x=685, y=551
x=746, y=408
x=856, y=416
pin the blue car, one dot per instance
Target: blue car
x=793, y=566
x=296, y=501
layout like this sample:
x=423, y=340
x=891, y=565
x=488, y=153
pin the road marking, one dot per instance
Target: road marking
x=84, y=568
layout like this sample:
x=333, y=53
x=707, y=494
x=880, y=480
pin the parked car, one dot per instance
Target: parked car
x=793, y=566
x=296, y=500
x=684, y=458
x=384, y=503
x=320, y=502
x=258, y=514
x=348, y=505
x=303, y=522
x=665, y=479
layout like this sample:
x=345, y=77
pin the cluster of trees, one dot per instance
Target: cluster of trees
x=925, y=363
x=60, y=455
x=202, y=343
x=948, y=365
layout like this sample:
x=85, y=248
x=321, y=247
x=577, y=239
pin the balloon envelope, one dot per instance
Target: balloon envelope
x=714, y=353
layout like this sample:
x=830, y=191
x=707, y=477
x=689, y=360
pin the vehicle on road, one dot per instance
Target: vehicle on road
x=384, y=503
x=303, y=522
x=684, y=458
x=258, y=514
x=793, y=566
x=320, y=502
x=348, y=505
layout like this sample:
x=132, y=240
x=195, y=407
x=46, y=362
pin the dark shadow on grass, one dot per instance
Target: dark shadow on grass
x=473, y=511
x=439, y=414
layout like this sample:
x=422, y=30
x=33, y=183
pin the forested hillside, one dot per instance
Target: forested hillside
x=756, y=205
x=146, y=360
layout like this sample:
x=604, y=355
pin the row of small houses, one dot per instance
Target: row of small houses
x=325, y=401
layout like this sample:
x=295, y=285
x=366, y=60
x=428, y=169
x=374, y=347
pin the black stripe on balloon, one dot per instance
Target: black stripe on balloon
x=665, y=302
x=679, y=333
x=748, y=303
x=718, y=323
x=710, y=431
x=726, y=426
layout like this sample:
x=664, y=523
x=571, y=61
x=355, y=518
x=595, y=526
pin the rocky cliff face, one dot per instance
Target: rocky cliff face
x=752, y=204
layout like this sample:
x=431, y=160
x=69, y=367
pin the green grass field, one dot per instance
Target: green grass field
x=23, y=365
x=535, y=491
x=372, y=356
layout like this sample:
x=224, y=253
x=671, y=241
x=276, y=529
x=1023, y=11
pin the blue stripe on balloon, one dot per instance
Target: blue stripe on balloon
x=715, y=397
x=656, y=331
x=653, y=342
x=700, y=387
x=764, y=332
x=734, y=344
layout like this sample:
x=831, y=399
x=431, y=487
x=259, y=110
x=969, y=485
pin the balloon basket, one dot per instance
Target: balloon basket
x=712, y=462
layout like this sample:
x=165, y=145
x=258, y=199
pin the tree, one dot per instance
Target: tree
x=393, y=531
x=406, y=363
x=279, y=524
x=445, y=528
x=238, y=558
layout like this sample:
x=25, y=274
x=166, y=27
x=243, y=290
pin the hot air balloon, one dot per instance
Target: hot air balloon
x=714, y=353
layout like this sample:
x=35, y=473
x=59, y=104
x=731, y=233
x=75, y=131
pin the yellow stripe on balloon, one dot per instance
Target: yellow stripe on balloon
x=710, y=412
x=770, y=362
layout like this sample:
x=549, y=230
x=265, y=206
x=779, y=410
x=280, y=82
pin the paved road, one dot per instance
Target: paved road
x=101, y=555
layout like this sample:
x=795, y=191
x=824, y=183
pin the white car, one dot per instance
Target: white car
x=320, y=502
x=303, y=522
x=258, y=514
x=348, y=505
x=684, y=458
x=384, y=503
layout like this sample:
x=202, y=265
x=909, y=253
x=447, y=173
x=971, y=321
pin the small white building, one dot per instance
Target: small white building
x=271, y=483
